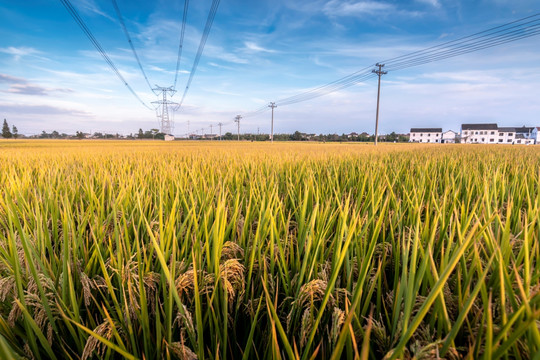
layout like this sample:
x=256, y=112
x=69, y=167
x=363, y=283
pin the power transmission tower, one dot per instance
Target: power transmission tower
x=162, y=109
x=380, y=73
x=237, y=120
x=220, y=125
x=273, y=106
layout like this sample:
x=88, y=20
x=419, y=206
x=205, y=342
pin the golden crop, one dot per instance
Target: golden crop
x=187, y=250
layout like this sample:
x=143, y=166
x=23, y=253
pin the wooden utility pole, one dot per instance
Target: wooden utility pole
x=379, y=72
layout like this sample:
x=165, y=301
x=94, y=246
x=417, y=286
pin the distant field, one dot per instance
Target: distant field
x=215, y=250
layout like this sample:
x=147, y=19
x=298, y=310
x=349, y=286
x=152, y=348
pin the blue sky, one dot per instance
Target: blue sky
x=51, y=77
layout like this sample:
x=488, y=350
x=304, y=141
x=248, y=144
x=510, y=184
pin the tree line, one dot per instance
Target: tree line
x=7, y=133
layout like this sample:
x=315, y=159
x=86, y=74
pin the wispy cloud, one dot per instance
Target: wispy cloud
x=21, y=86
x=434, y=3
x=20, y=52
x=337, y=8
x=252, y=46
x=27, y=109
x=90, y=7
x=11, y=79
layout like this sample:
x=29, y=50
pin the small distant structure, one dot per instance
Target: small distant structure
x=449, y=137
x=169, y=137
x=426, y=135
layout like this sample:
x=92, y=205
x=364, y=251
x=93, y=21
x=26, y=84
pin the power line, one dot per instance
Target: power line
x=180, y=47
x=71, y=10
x=207, y=28
x=126, y=32
x=469, y=44
x=465, y=38
x=502, y=34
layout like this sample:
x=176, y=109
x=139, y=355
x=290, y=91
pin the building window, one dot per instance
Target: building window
x=491, y=140
x=428, y=134
x=510, y=134
x=501, y=134
x=483, y=140
x=493, y=133
x=500, y=140
x=509, y=140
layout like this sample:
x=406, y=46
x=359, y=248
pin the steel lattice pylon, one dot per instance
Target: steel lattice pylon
x=162, y=108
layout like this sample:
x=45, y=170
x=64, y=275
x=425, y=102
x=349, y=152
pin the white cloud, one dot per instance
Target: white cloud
x=434, y=3
x=19, y=52
x=252, y=46
x=359, y=8
x=337, y=8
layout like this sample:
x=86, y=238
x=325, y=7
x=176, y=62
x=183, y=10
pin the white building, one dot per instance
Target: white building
x=426, y=135
x=507, y=135
x=449, y=137
x=479, y=133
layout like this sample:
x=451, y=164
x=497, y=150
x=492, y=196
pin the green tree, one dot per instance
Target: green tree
x=80, y=135
x=5, y=130
x=141, y=134
x=14, y=131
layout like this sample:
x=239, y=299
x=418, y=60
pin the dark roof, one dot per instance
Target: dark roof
x=524, y=130
x=427, y=130
x=479, y=127
x=507, y=129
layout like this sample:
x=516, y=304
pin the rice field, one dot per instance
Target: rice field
x=222, y=250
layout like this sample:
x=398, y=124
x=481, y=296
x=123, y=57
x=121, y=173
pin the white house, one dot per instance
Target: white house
x=479, y=133
x=449, y=137
x=426, y=135
x=507, y=135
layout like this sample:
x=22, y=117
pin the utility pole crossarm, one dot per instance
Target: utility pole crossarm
x=380, y=73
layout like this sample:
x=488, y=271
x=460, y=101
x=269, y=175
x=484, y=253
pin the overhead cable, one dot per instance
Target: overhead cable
x=69, y=7
x=121, y=20
x=180, y=47
x=207, y=28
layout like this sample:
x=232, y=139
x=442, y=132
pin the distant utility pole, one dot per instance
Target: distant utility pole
x=380, y=73
x=273, y=106
x=211, y=130
x=220, y=125
x=162, y=108
x=237, y=120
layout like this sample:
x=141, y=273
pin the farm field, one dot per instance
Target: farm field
x=229, y=250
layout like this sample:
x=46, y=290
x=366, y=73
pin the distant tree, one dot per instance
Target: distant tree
x=297, y=136
x=154, y=133
x=55, y=134
x=14, y=131
x=392, y=137
x=141, y=134
x=228, y=136
x=5, y=130
x=80, y=135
